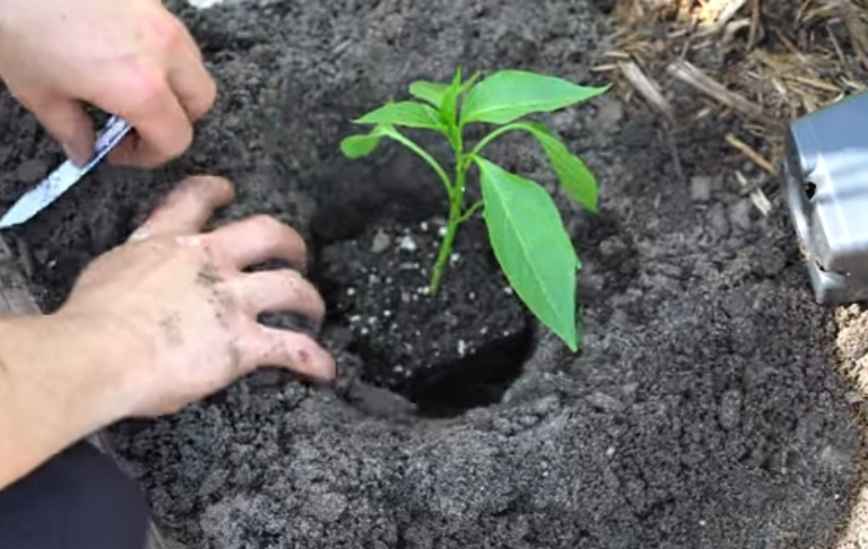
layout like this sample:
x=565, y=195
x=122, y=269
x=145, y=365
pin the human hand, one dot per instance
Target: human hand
x=186, y=312
x=132, y=58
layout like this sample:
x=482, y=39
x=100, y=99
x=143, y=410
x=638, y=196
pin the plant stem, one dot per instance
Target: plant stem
x=445, y=248
x=456, y=217
x=470, y=212
x=410, y=144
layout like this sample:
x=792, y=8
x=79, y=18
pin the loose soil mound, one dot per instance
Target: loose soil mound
x=705, y=410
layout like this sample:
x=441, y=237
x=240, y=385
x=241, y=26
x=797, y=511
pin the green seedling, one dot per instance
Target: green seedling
x=524, y=226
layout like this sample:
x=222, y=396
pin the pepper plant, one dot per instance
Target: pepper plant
x=524, y=226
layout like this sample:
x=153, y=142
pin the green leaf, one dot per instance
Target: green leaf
x=449, y=110
x=435, y=92
x=467, y=86
x=532, y=247
x=404, y=113
x=575, y=177
x=508, y=95
x=358, y=146
x=450, y=98
x=432, y=92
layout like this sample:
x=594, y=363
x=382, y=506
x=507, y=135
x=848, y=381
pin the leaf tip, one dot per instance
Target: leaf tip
x=346, y=148
x=572, y=341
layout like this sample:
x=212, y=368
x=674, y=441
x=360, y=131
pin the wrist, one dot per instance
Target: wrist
x=63, y=360
x=57, y=386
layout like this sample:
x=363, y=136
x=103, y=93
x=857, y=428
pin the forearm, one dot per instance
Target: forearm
x=56, y=384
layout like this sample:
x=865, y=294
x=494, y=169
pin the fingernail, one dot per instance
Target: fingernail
x=78, y=157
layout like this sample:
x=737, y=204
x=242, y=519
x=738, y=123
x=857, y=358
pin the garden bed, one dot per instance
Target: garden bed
x=705, y=410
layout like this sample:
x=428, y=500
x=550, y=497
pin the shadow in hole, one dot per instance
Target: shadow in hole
x=480, y=380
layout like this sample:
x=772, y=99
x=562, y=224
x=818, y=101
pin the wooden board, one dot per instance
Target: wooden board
x=16, y=299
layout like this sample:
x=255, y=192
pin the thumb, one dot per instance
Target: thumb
x=67, y=122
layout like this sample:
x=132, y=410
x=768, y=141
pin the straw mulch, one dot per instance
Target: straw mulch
x=762, y=62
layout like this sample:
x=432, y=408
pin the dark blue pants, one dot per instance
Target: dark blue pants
x=78, y=500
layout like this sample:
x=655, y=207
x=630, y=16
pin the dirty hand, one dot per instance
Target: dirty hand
x=187, y=309
x=131, y=58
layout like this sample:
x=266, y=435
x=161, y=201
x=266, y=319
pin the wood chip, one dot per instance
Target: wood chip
x=716, y=14
x=757, y=197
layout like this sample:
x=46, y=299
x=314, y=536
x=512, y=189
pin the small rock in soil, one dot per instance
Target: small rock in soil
x=381, y=242
x=606, y=403
x=613, y=245
x=408, y=244
x=609, y=114
x=739, y=214
x=700, y=188
x=719, y=222
x=730, y=409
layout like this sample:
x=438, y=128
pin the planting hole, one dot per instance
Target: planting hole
x=480, y=379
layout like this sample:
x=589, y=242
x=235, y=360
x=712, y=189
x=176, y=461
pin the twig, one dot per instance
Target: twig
x=842, y=59
x=756, y=12
x=857, y=30
x=690, y=74
x=753, y=155
x=676, y=155
x=732, y=29
x=647, y=88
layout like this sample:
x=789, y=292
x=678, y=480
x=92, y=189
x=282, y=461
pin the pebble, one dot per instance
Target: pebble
x=700, y=188
x=609, y=114
x=503, y=426
x=630, y=389
x=528, y=421
x=718, y=221
x=612, y=246
x=606, y=403
x=730, y=409
x=408, y=244
x=546, y=405
x=834, y=459
x=564, y=121
x=381, y=242
x=739, y=214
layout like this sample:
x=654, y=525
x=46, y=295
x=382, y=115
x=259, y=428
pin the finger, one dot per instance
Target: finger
x=259, y=239
x=291, y=350
x=187, y=208
x=195, y=89
x=191, y=82
x=163, y=130
x=282, y=290
x=67, y=122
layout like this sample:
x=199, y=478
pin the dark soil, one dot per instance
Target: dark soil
x=409, y=340
x=705, y=410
